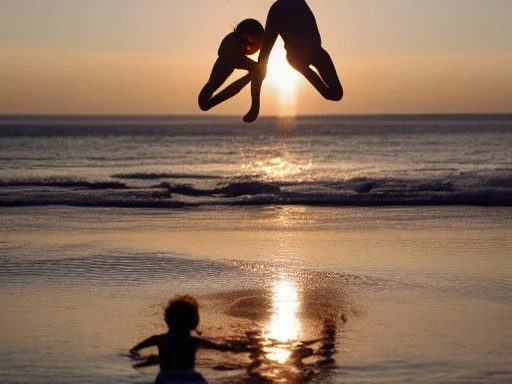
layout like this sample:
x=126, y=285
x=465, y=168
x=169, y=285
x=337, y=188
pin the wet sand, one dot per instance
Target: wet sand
x=320, y=295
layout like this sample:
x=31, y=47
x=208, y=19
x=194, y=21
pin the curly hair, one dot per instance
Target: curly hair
x=182, y=313
x=249, y=27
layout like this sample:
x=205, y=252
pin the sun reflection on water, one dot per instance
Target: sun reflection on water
x=284, y=327
x=278, y=167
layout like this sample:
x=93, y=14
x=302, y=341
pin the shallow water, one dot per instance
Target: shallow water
x=391, y=294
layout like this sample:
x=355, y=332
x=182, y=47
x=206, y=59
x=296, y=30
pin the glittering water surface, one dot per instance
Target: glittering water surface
x=318, y=295
x=188, y=161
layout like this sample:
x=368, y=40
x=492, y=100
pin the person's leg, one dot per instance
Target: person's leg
x=327, y=71
x=326, y=81
x=220, y=72
x=231, y=90
x=206, y=98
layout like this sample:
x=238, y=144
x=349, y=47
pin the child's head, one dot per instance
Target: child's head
x=182, y=313
x=250, y=32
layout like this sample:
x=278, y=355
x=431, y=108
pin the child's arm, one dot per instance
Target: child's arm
x=149, y=342
x=148, y=362
x=211, y=345
x=236, y=347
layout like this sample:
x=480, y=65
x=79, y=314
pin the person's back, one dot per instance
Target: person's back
x=177, y=348
x=177, y=352
x=231, y=47
x=297, y=25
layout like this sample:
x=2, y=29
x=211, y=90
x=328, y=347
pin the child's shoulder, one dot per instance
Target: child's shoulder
x=231, y=46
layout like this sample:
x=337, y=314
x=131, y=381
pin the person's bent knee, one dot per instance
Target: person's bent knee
x=204, y=101
x=203, y=105
x=336, y=94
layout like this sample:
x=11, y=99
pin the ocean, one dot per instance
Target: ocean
x=342, y=249
x=191, y=161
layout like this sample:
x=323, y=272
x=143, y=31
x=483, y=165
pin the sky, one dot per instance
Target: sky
x=153, y=57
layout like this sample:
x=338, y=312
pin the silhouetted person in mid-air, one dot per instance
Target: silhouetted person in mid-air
x=245, y=40
x=294, y=21
x=177, y=348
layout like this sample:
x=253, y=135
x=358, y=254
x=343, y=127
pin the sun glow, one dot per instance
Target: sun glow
x=284, y=79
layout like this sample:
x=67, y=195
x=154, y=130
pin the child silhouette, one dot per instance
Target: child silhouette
x=294, y=21
x=245, y=40
x=177, y=348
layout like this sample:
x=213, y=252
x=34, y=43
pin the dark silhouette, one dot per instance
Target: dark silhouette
x=294, y=21
x=177, y=348
x=245, y=40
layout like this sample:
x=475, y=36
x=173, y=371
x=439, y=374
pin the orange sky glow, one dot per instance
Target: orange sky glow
x=132, y=57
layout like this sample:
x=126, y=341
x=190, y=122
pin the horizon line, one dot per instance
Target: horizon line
x=377, y=114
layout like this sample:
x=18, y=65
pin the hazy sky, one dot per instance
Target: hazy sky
x=136, y=56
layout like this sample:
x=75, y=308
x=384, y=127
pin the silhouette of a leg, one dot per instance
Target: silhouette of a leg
x=327, y=71
x=220, y=72
x=222, y=69
x=231, y=90
x=326, y=81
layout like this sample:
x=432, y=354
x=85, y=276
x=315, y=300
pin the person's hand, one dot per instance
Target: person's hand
x=147, y=362
x=240, y=346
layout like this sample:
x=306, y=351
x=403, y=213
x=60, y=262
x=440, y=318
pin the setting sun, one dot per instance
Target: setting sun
x=283, y=78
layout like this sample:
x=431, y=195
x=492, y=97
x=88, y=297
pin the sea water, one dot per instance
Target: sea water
x=180, y=161
x=385, y=239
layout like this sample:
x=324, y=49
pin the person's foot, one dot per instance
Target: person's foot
x=252, y=114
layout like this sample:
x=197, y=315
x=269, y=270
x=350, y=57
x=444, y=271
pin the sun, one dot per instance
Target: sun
x=282, y=76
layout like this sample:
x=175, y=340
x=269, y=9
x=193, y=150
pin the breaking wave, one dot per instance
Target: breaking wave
x=466, y=188
x=163, y=175
x=61, y=183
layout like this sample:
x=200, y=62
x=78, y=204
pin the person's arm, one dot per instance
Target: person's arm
x=207, y=344
x=234, y=347
x=149, y=342
x=148, y=362
x=269, y=39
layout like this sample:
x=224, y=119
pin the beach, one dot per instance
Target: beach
x=342, y=249
x=417, y=295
